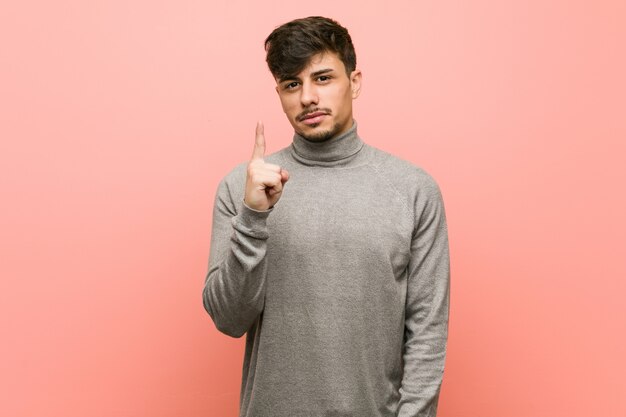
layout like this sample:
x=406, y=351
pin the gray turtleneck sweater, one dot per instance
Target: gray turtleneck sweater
x=342, y=288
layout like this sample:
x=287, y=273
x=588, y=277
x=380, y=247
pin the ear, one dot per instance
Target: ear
x=355, y=83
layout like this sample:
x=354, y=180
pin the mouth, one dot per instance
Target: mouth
x=313, y=118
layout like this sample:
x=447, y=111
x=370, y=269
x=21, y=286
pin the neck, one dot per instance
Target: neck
x=333, y=150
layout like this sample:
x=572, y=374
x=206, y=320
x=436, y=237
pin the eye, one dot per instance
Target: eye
x=323, y=78
x=291, y=85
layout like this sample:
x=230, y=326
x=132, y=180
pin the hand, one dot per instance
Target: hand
x=264, y=182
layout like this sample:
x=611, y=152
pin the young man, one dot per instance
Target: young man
x=330, y=255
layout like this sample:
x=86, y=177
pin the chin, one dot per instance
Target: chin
x=316, y=133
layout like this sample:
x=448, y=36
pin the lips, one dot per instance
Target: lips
x=313, y=118
x=312, y=115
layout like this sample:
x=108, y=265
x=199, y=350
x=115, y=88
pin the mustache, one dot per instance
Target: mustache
x=305, y=113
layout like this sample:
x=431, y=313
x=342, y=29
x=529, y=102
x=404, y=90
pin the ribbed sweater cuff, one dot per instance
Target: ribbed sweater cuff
x=252, y=222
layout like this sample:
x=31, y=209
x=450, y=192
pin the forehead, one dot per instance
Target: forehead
x=324, y=59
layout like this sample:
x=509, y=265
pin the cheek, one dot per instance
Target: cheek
x=341, y=104
x=288, y=104
x=342, y=97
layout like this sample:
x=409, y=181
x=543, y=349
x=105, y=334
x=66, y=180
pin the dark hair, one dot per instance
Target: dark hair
x=291, y=46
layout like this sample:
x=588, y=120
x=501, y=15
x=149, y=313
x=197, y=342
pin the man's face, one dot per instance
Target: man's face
x=318, y=100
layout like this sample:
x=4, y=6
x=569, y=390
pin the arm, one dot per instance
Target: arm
x=234, y=289
x=427, y=308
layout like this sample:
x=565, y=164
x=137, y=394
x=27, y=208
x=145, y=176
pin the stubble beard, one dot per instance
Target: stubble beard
x=322, y=136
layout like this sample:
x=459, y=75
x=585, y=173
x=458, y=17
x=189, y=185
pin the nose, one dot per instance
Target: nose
x=309, y=94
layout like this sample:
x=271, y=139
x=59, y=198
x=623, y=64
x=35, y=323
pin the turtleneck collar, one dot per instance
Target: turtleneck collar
x=330, y=152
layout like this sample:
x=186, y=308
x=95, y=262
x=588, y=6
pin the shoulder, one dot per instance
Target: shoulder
x=235, y=177
x=407, y=176
x=412, y=185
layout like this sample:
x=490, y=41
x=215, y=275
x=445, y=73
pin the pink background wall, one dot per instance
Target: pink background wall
x=118, y=119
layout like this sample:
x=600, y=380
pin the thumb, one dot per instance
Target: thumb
x=284, y=175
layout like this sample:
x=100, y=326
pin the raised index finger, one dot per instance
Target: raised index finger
x=259, y=143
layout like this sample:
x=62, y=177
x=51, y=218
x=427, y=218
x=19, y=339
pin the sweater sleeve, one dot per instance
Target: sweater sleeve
x=427, y=309
x=234, y=290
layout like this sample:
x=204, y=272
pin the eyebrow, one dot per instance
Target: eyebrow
x=313, y=75
x=322, y=71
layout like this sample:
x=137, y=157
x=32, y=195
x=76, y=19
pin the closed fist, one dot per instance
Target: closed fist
x=264, y=182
